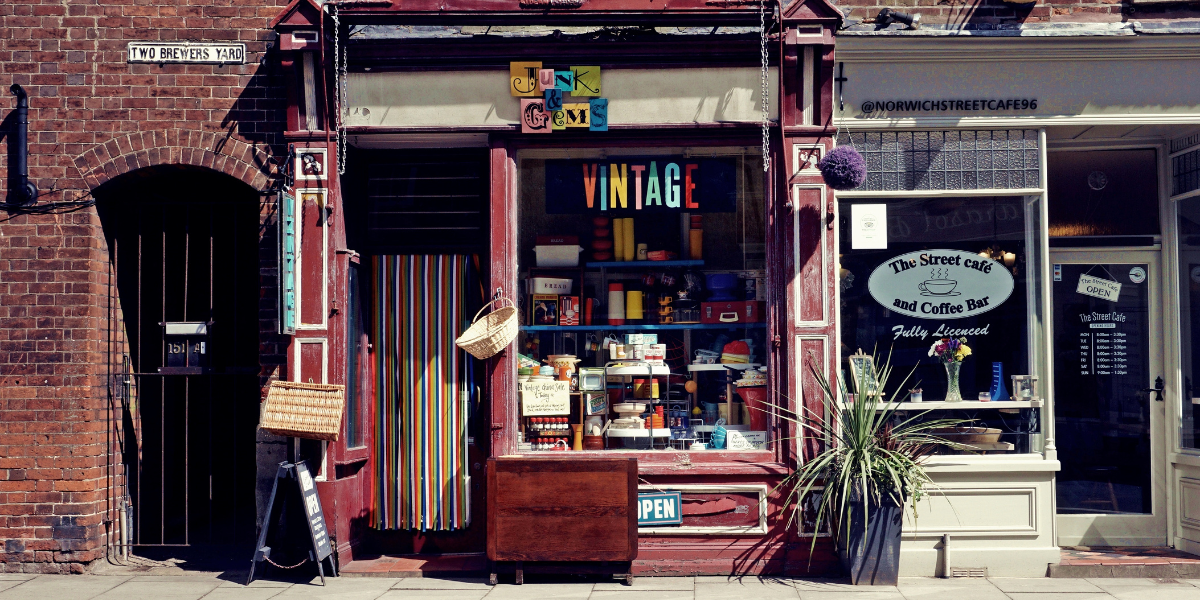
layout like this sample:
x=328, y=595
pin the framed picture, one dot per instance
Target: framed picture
x=311, y=164
x=862, y=371
x=544, y=309
x=805, y=158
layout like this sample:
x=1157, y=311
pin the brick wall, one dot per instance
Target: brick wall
x=961, y=12
x=93, y=117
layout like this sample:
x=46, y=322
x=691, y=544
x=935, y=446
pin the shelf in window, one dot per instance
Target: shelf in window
x=644, y=264
x=964, y=405
x=723, y=366
x=638, y=433
x=643, y=327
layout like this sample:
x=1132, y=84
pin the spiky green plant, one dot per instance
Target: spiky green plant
x=867, y=455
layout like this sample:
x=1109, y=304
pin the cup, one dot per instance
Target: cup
x=915, y=396
x=938, y=287
x=985, y=396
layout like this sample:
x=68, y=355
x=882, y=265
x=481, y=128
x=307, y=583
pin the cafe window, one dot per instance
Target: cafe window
x=1189, y=315
x=948, y=268
x=643, y=299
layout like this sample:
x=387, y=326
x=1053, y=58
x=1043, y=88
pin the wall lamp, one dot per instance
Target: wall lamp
x=888, y=16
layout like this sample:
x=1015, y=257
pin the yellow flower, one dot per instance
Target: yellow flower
x=964, y=351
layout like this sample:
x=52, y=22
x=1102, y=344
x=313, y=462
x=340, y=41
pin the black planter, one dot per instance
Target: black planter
x=872, y=556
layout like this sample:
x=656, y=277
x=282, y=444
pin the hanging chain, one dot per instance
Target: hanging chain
x=765, y=100
x=268, y=559
x=339, y=63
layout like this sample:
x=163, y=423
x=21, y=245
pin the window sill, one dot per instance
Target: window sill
x=686, y=462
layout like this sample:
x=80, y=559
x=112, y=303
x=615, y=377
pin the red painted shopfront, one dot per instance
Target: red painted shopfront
x=414, y=139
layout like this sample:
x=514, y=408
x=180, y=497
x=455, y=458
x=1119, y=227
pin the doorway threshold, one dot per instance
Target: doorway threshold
x=1115, y=561
x=417, y=565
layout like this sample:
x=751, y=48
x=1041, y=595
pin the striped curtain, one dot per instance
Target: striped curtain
x=422, y=392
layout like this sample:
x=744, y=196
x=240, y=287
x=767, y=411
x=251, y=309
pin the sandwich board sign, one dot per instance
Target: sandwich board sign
x=318, y=532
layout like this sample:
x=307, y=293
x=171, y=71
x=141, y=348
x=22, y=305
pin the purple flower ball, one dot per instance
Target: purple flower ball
x=843, y=168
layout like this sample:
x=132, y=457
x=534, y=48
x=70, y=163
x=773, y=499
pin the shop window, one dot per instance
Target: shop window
x=1103, y=193
x=1189, y=315
x=947, y=268
x=643, y=273
x=1185, y=173
x=948, y=160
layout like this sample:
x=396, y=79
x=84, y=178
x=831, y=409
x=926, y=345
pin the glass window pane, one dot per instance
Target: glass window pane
x=665, y=244
x=1103, y=192
x=1189, y=315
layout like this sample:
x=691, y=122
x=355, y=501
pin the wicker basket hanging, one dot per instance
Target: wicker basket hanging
x=486, y=337
x=305, y=410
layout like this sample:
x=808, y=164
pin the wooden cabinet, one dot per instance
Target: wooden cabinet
x=560, y=509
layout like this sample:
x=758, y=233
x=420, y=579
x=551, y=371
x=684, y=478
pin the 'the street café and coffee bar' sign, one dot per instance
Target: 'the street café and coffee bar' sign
x=627, y=184
x=940, y=284
x=543, y=108
x=219, y=53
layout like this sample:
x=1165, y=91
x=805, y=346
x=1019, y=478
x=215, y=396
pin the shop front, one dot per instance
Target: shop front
x=640, y=186
x=1037, y=198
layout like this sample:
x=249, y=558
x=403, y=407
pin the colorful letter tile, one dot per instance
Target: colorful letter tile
x=577, y=114
x=545, y=79
x=565, y=81
x=523, y=78
x=599, y=118
x=587, y=82
x=534, y=118
x=553, y=99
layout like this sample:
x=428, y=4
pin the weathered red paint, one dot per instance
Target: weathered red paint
x=800, y=259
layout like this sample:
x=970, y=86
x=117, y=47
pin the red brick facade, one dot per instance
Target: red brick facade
x=94, y=117
x=961, y=12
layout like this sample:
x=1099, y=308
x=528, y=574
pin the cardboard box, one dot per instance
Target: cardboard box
x=737, y=311
x=569, y=311
x=543, y=309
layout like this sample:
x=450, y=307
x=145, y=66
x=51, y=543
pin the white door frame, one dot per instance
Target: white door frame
x=1134, y=529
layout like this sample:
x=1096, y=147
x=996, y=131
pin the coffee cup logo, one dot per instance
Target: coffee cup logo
x=938, y=285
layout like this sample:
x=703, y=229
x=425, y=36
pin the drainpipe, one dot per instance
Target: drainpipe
x=21, y=191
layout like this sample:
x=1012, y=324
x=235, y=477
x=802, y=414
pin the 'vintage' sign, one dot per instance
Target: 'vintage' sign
x=631, y=183
x=187, y=53
x=940, y=284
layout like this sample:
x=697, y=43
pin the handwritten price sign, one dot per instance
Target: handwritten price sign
x=545, y=398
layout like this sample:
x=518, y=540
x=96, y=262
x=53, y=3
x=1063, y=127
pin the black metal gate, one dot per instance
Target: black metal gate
x=184, y=322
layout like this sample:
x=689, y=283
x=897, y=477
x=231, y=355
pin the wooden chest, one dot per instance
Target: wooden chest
x=562, y=508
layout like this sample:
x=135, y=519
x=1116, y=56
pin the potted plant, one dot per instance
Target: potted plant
x=869, y=467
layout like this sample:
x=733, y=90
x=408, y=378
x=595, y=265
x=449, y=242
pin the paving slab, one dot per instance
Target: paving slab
x=745, y=589
x=16, y=576
x=1162, y=592
x=1011, y=585
x=634, y=594
x=431, y=583
x=433, y=595
x=257, y=583
x=54, y=587
x=541, y=591
x=154, y=588
x=1060, y=596
x=928, y=588
x=341, y=588
x=868, y=594
x=650, y=584
x=838, y=585
x=10, y=583
x=245, y=593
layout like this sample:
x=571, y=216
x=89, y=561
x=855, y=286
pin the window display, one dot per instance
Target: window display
x=946, y=287
x=644, y=285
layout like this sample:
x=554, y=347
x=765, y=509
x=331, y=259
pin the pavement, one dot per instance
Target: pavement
x=219, y=587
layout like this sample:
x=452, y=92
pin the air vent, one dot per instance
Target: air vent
x=968, y=572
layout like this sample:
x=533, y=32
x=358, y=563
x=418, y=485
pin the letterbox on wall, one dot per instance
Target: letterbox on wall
x=187, y=347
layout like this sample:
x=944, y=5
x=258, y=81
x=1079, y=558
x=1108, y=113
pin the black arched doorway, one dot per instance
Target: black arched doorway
x=184, y=247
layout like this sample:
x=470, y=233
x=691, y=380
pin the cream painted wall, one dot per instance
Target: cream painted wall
x=481, y=98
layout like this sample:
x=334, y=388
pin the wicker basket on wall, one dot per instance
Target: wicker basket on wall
x=488, y=336
x=305, y=410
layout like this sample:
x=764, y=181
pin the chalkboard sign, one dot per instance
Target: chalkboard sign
x=297, y=476
x=312, y=509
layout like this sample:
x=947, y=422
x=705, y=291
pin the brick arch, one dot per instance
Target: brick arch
x=250, y=164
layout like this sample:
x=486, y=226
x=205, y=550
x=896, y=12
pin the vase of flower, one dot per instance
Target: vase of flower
x=953, y=394
x=951, y=352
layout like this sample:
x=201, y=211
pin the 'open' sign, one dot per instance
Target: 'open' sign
x=660, y=508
